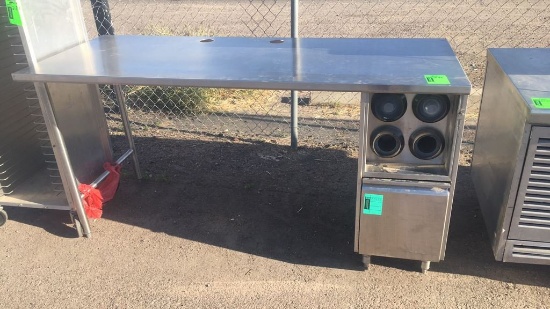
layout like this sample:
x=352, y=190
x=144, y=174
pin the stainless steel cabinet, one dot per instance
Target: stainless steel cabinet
x=511, y=161
x=408, y=161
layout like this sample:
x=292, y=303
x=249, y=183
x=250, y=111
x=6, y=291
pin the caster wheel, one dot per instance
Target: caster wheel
x=77, y=225
x=3, y=217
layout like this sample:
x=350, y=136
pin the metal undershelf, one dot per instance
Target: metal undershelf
x=36, y=192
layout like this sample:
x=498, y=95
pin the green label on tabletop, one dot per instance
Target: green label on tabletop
x=541, y=102
x=373, y=204
x=13, y=12
x=437, y=79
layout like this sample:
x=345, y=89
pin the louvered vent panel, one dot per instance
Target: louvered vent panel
x=535, y=212
x=530, y=252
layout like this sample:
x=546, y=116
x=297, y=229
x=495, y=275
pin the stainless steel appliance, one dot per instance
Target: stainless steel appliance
x=408, y=160
x=511, y=161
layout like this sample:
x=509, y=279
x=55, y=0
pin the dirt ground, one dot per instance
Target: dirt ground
x=233, y=219
x=226, y=222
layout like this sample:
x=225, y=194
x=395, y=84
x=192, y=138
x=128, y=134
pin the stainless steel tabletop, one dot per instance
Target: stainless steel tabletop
x=376, y=65
x=529, y=71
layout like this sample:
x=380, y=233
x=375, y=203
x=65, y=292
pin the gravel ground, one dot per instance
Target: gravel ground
x=232, y=219
x=227, y=222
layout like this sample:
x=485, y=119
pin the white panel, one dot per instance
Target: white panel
x=51, y=26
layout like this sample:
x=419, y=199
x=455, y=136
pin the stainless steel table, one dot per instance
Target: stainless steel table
x=358, y=65
x=411, y=66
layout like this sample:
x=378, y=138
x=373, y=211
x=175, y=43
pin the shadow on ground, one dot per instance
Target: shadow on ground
x=253, y=197
x=270, y=201
x=258, y=198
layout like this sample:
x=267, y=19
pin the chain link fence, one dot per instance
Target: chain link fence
x=328, y=119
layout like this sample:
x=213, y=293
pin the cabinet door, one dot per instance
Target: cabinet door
x=403, y=221
x=531, y=218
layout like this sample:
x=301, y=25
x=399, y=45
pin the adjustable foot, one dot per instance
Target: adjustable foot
x=366, y=261
x=425, y=266
x=3, y=216
x=77, y=225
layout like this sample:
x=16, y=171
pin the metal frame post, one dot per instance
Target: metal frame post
x=294, y=93
x=102, y=16
x=104, y=25
x=70, y=183
x=124, y=115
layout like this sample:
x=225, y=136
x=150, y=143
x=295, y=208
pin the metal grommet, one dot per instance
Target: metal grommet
x=387, y=141
x=426, y=143
x=431, y=108
x=388, y=107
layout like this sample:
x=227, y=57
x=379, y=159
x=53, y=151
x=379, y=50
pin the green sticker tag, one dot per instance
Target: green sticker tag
x=373, y=204
x=541, y=102
x=437, y=79
x=13, y=12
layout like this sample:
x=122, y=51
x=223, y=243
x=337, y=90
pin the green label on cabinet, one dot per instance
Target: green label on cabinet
x=13, y=12
x=541, y=102
x=437, y=79
x=373, y=204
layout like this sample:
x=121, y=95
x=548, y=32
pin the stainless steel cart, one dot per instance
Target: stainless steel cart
x=21, y=143
x=511, y=161
x=52, y=136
